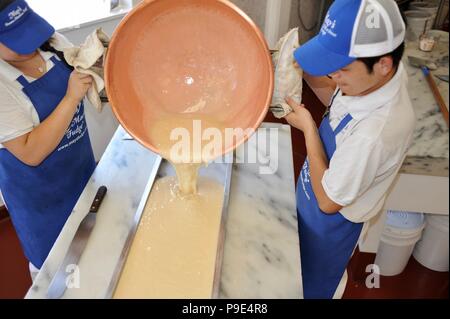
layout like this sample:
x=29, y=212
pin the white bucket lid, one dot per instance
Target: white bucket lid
x=404, y=220
x=403, y=226
x=424, y=5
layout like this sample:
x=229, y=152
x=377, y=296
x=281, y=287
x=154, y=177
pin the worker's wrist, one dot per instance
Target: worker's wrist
x=73, y=101
x=310, y=130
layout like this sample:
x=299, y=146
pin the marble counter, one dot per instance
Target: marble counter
x=261, y=257
x=428, y=154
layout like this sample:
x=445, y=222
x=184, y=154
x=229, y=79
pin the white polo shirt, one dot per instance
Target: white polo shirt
x=17, y=114
x=371, y=149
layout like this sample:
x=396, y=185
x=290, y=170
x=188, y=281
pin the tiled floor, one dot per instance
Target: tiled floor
x=415, y=282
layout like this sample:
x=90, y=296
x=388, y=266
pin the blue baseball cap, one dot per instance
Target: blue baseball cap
x=21, y=29
x=352, y=29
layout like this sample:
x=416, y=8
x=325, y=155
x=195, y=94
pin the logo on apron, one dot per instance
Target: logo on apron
x=305, y=178
x=76, y=130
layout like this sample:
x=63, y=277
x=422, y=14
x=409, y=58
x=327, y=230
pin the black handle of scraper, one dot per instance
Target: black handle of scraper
x=98, y=199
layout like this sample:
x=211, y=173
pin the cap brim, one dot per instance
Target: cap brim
x=29, y=35
x=317, y=60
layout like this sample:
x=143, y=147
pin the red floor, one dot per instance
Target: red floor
x=14, y=275
x=415, y=282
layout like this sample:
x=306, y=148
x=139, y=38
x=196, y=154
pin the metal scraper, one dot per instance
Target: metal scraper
x=59, y=283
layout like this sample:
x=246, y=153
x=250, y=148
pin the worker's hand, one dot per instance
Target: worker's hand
x=78, y=86
x=300, y=117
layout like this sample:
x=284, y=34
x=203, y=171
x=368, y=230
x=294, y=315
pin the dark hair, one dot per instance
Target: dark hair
x=396, y=56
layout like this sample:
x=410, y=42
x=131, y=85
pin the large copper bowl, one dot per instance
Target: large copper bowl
x=167, y=56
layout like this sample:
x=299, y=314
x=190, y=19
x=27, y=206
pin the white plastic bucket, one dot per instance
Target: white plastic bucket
x=429, y=7
x=417, y=21
x=400, y=234
x=432, y=250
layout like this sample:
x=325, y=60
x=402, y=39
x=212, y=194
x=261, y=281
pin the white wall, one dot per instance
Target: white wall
x=255, y=9
x=310, y=11
x=65, y=13
x=271, y=16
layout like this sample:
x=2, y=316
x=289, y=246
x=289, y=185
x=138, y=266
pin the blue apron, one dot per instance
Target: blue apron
x=326, y=241
x=40, y=199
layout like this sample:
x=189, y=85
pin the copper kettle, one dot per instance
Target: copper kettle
x=169, y=55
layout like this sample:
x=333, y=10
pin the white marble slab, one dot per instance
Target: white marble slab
x=261, y=253
x=431, y=133
x=261, y=256
x=428, y=154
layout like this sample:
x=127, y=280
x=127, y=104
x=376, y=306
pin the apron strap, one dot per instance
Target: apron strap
x=23, y=81
x=343, y=124
x=54, y=60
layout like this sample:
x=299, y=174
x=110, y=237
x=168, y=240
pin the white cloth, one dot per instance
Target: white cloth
x=88, y=58
x=371, y=149
x=288, y=75
x=17, y=114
